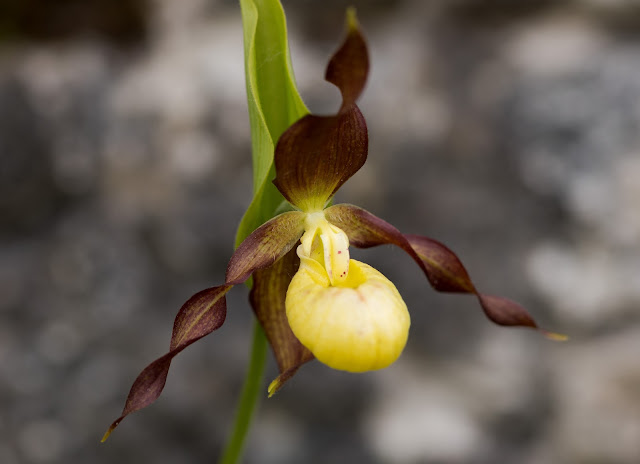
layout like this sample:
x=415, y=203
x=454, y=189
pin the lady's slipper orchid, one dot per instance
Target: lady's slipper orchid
x=313, y=300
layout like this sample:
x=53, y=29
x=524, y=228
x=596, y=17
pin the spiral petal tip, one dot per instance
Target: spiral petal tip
x=108, y=433
x=352, y=19
x=556, y=337
x=274, y=387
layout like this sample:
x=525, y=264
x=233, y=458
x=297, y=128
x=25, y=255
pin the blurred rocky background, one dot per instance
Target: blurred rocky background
x=508, y=129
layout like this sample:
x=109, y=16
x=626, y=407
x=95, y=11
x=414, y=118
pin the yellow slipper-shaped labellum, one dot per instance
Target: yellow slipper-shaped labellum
x=359, y=325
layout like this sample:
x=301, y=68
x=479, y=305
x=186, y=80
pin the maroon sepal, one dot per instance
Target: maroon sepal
x=443, y=268
x=268, y=301
x=203, y=313
x=318, y=154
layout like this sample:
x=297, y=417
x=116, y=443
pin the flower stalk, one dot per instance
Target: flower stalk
x=248, y=398
x=258, y=17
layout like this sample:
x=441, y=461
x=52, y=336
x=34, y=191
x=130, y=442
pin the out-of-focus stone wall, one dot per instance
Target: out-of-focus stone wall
x=508, y=130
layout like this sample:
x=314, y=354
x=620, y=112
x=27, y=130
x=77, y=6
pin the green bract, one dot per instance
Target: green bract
x=273, y=100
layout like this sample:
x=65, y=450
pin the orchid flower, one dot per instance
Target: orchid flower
x=310, y=298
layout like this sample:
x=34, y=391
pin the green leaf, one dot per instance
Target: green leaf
x=273, y=100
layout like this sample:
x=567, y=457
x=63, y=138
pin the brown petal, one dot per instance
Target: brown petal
x=203, y=313
x=318, y=154
x=366, y=230
x=443, y=268
x=267, y=299
x=265, y=245
x=505, y=312
x=445, y=271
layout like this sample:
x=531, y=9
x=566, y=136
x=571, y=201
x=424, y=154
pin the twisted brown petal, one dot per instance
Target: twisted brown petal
x=203, y=313
x=442, y=267
x=267, y=299
x=206, y=310
x=318, y=154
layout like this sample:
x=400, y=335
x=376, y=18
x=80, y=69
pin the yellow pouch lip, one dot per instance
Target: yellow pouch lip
x=357, y=327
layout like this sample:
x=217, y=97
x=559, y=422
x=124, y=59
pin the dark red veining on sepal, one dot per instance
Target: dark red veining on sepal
x=265, y=245
x=318, y=154
x=267, y=299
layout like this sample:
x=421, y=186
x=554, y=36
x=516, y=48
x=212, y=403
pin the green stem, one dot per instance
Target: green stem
x=248, y=398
